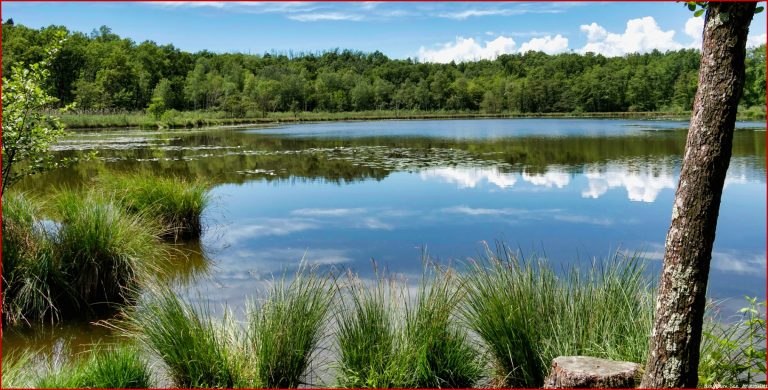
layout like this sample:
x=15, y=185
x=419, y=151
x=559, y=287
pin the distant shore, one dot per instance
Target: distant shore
x=194, y=119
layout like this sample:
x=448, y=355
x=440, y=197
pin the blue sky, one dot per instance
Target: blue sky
x=431, y=31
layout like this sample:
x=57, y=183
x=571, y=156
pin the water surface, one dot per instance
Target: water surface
x=341, y=194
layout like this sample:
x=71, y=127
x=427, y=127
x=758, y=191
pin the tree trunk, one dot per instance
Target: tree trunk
x=676, y=337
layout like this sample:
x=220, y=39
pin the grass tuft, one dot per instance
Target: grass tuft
x=115, y=366
x=368, y=338
x=176, y=203
x=105, y=251
x=381, y=345
x=526, y=315
x=190, y=343
x=33, y=281
x=286, y=329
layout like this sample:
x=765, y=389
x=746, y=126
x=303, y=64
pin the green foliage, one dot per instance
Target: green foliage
x=369, y=340
x=104, y=250
x=15, y=369
x=33, y=279
x=382, y=345
x=108, y=75
x=734, y=354
x=526, y=315
x=115, y=366
x=440, y=352
x=176, y=203
x=285, y=330
x=28, y=132
x=196, y=350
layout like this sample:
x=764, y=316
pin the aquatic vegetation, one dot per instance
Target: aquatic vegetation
x=114, y=366
x=733, y=354
x=15, y=369
x=175, y=202
x=196, y=350
x=369, y=339
x=104, y=251
x=440, y=352
x=422, y=345
x=526, y=315
x=33, y=281
x=286, y=328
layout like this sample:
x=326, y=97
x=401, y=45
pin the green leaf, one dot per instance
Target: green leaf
x=698, y=13
x=691, y=6
x=759, y=9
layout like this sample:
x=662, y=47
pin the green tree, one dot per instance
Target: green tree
x=28, y=133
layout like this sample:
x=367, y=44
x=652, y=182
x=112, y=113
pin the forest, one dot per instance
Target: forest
x=103, y=73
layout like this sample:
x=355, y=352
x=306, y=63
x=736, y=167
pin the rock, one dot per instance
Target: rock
x=590, y=372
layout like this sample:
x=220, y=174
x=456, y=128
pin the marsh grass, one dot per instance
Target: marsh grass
x=369, y=339
x=442, y=354
x=33, y=281
x=287, y=327
x=526, y=315
x=15, y=369
x=177, y=203
x=105, y=251
x=274, y=348
x=196, y=350
x=113, y=366
x=383, y=343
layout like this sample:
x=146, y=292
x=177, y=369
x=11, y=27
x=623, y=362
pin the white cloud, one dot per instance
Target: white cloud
x=329, y=16
x=694, y=28
x=471, y=177
x=549, y=179
x=547, y=44
x=642, y=186
x=481, y=211
x=756, y=40
x=641, y=36
x=467, y=49
x=268, y=227
x=739, y=262
x=340, y=212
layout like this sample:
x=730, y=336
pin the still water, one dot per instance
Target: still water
x=342, y=194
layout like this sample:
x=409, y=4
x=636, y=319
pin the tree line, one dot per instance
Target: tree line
x=102, y=71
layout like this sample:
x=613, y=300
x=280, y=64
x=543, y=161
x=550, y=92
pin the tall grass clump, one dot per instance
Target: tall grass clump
x=369, y=339
x=115, y=366
x=105, y=251
x=526, y=315
x=15, y=369
x=196, y=350
x=441, y=354
x=33, y=281
x=177, y=203
x=286, y=329
x=418, y=345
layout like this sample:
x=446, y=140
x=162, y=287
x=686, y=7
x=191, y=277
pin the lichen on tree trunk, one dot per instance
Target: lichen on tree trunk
x=676, y=338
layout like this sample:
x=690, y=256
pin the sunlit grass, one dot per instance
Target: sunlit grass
x=33, y=281
x=526, y=315
x=104, y=250
x=286, y=328
x=176, y=203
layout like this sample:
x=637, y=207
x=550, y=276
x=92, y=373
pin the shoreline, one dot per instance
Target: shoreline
x=142, y=121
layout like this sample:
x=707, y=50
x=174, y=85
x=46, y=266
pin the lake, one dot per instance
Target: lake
x=341, y=194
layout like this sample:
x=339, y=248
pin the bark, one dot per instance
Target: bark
x=674, y=347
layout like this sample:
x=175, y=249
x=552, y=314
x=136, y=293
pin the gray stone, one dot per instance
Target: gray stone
x=590, y=372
